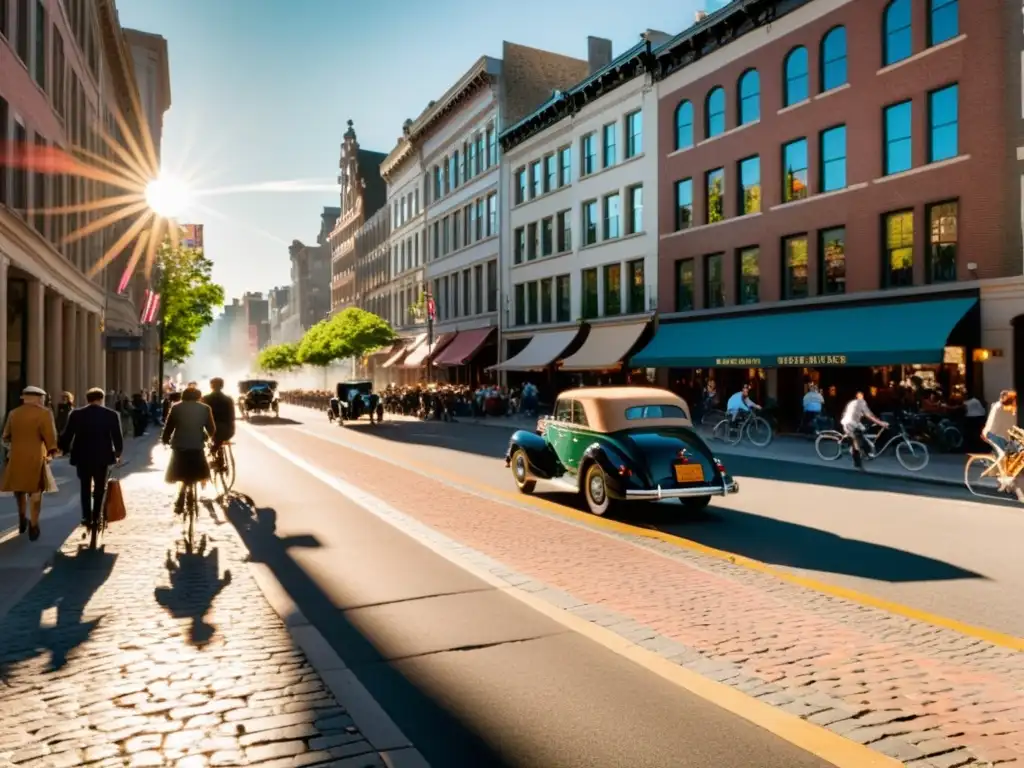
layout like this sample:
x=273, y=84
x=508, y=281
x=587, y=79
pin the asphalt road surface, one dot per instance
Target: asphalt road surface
x=933, y=548
x=471, y=675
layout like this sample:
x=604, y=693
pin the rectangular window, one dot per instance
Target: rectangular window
x=4, y=13
x=454, y=279
x=437, y=240
x=634, y=133
x=714, y=190
x=536, y=180
x=59, y=91
x=794, y=267
x=39, y=192
x=943, y=124
x=520, y=245
x=589, y=305
x=684, y=204
x=942, y=241
x=520, y=189
x=563, y=299
x=612, y=215
x=714, y=285
x=492, y=286
x=40, y=62
x=546, y=236
x=453, y=170
x=588, y=154
x=748, y=275
x=457, y=231
x=750, y=185
x=550, y=172
x=21, y=41
x=481, y=215
x=492, y=214
x=898, y=270
x=564, y=231
x=609, y=134
x=471, y=225
x=19, y=176
x=481, y=148
x=833, y=159
x=531, y=241
x=564, y=166
x=492, y=147
x=590, y=222
x=545, y=300
x=832, y=261
x=943, y=21
x=532, y=290
x=794, y=171
x=612, y=290
x=637, y=296
x=520, y=308
x=898, y=132
x=478, y=289
x=635, y=213
x=467, y=295
x=684, y=285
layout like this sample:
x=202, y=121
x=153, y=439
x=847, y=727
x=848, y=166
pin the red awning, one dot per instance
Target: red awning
x=462, y=348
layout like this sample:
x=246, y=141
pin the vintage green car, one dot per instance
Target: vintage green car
x=620, y=444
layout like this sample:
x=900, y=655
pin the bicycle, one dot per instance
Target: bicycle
x=222, y=466
x=97, y=524
x=911, y=454
x=191, y=515
x=996, y=475
x=732, y=430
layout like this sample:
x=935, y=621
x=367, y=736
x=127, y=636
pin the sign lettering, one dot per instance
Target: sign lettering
x=744, y=362
x=812, y=360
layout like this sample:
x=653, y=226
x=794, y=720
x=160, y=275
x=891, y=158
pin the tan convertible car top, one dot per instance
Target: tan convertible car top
x=605, y=407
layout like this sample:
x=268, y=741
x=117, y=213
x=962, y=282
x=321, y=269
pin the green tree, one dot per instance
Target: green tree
x=352, y=332
x=278, y=357
x=188, y=297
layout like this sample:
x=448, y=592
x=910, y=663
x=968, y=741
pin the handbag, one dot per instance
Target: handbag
x=49, y=481
x=113, y=502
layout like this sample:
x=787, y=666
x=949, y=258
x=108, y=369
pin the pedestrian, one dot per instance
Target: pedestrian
x=139, y=414
x=32, y=435
x=64, y=408
x=93, y=440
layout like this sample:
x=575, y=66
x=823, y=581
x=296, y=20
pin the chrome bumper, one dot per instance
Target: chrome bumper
x=683, y=493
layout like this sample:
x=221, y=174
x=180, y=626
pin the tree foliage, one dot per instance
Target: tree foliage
x=278, y=357
x=188, y=296
x=352, y=332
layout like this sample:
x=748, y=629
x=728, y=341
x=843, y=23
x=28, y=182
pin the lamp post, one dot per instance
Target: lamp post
x=429, y=299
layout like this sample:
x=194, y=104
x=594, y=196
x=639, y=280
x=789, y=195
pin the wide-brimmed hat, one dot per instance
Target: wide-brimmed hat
x=35, y=391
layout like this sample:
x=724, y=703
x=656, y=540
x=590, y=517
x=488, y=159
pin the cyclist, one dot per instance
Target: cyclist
x=740, y=402
x=188, y=425
x=996, y=433
x=854, y=414
x=223, y=408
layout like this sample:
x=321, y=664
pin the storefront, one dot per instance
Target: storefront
x=465, y=359
x=600, y=360
x=867, y=346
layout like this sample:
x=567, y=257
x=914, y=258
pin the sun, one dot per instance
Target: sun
x=167, y=197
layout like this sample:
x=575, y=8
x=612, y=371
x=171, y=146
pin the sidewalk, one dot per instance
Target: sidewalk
x=942, y=469
x=142, y=655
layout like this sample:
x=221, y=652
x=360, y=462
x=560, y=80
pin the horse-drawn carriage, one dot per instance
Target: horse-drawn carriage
x=354, y=399
x=257, y=397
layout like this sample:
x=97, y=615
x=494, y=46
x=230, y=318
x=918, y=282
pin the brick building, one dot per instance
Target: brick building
x=833, y=194
x=373, y=263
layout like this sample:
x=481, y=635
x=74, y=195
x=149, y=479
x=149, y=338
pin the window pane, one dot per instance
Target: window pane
x=942, y=242
x=636, y=210
x=750, y=97
x=634, y=134
x=565, y=159
x=715, y=189
x=794, y=251
x=899, y=239
x=612, y=214
x=684, y=285
x=590, y=222
x=588, y=161
x=715, y=112
x=944, y=121
x=796, y=88
x=833, y=59
x=613, y=290
x=684, y=204
x=794, y=169
x=944, y=23
x=898, y=42
x=520, y=304
x=610, y=155
x=545, y=301
x=714, y=288
x=589, y=308
x=563, y=298
x=637, y=287
x=832, y=261
x=748, y=271
x=684, y=125
x=898, y=144
x=833, y=159
x=750, y=185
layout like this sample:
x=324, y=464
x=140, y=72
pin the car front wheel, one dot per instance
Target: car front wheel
x=595, y=490
x=520, y=471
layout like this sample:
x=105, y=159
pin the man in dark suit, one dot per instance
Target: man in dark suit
x=94, y=441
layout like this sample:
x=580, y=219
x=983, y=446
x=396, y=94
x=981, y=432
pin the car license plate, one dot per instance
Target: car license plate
x=689, y=473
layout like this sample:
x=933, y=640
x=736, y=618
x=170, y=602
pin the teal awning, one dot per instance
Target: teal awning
x=878, y=334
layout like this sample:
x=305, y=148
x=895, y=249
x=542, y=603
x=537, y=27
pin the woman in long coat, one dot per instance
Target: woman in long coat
x=32, y=436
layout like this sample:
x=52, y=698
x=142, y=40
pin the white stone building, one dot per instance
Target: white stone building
x=580, y=240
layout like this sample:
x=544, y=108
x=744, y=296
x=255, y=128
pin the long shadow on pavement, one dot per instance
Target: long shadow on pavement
x=394, y=692
x=195, y=584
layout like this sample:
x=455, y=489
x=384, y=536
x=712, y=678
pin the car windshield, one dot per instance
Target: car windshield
x=636, y=412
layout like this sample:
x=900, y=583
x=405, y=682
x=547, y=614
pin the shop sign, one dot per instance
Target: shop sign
x=812, y=360
x=743, y=362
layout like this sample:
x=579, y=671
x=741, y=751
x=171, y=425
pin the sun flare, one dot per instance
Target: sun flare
x=167, y=197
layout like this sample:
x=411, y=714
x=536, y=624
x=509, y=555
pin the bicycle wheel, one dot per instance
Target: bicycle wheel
x=191, y=513
x=829, y=446
x=229, y=469
x=759, y=431
x=912, y=455
x=712, y=417
x=952, y=438
x=727, y=431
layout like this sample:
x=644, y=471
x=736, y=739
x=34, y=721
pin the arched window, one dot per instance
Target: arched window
x=684, y=125
x=898, y=43
x=833, y=59
x=943, y=21
x=797, y=88
x=750, y=97
x=714, y=113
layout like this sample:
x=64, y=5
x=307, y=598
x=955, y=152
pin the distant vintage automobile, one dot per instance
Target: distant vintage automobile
x=257, y=397
x=353, y=399
x=618, y=444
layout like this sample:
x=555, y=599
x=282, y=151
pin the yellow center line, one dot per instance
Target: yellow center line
x=992, y=636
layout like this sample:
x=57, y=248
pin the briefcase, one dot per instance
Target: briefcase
x=113, y=502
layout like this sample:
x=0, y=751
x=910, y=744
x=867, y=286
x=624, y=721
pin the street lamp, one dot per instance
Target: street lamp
x=428, y=298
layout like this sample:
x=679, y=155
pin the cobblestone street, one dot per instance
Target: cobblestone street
x=143, y=655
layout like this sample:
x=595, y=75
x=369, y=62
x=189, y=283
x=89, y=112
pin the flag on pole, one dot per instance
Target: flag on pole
x=153, y=307
x=145, y=306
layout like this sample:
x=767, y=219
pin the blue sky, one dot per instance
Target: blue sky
x=261, y=91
